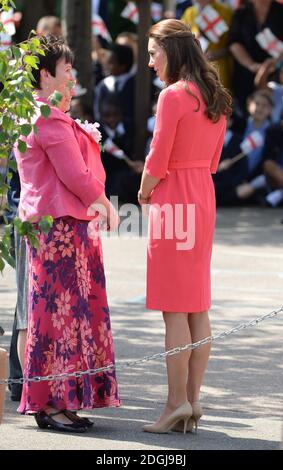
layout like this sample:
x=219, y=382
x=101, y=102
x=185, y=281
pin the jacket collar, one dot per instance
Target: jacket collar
x=56, y=112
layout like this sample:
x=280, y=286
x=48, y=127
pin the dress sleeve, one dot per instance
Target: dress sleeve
x=58, y=140
x=217, y=154
x=167, y=117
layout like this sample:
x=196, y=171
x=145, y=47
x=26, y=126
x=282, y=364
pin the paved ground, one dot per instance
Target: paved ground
x=242, y=394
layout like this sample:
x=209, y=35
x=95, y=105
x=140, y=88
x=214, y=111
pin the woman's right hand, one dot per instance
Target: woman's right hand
x=105, y=213
x=113, y=219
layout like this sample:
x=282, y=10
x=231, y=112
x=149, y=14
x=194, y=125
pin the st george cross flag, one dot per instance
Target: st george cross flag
x=7, y=19
x=269, y=42
x=113, y=149
x=131, y=12
x=253, y=141
x=211, y=24
x=99, y=28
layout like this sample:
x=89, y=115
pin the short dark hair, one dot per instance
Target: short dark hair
x=111, y=100
x=55, y=49
x=123, y=54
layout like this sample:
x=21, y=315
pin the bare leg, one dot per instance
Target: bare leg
x=199, y=325
x=22, y=339
x=177, y=334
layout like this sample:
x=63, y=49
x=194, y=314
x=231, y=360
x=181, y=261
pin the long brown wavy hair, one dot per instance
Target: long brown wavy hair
x=186, y=61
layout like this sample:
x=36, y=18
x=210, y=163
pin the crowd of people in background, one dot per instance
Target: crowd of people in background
x=250, y=66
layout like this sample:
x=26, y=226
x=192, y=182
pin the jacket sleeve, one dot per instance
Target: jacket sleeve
x=167, y=118
x=217, y=154
x=58, y=140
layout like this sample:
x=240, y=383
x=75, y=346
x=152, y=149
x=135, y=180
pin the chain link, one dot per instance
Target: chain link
x=130, y=364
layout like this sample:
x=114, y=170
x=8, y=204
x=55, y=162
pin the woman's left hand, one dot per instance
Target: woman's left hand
x=142, y=199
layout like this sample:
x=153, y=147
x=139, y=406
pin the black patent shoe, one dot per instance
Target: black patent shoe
x=45, y=421
x=72, y=415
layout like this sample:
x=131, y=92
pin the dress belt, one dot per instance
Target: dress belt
x=178, y=165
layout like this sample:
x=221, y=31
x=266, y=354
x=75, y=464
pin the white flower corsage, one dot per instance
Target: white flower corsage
x=91, y=129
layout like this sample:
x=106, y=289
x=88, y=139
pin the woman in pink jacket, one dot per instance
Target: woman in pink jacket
x=69, y=325
x=185, y=150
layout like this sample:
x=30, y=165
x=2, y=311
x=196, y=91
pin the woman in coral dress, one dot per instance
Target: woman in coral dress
x=185, y=150
x=69, y=325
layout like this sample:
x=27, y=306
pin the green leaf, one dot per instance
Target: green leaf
x=24, y=47
x=22, y=146
x=45, y=111
x=3, y=190
x=35, y=41
x=4, y=94
x=7, y=123
x=46, y=223
x=24, y=228
x=40, y=51
x=56, y=98
x=26, y=129
x=17, y=223
x=3, y=68
x=31, y=60
x=5, y=255
x=3, y=137
x=16, y=52
x=13, y=165
x=33, y=240
x=2, y=264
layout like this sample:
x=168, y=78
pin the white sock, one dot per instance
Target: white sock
x=258, y=182
x=275, y=197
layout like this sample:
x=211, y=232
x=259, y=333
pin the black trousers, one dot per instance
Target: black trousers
x=15, y=369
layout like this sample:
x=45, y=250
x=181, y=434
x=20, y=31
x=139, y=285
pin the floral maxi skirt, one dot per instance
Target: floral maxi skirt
x=69, y=326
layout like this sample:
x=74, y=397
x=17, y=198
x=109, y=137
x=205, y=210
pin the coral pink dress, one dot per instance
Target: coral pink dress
x=185, y=150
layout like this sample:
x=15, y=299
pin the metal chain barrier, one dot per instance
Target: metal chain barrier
x=130, y=364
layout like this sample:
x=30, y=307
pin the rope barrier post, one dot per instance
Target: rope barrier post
x=3, y=375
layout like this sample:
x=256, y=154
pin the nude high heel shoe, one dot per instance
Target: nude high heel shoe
x=182, y=414
x=194, y=419
x=197, y=414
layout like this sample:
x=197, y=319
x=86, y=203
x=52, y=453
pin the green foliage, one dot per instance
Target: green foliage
x=45, y=110
x=17, y=109
x=46, y=223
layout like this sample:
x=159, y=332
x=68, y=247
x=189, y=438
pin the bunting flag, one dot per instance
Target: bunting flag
x=99, y=28
x=113, y=149
x=269, y=42
x=211, y=24
x=7, y=19
x=252, y=142
x=131, y=12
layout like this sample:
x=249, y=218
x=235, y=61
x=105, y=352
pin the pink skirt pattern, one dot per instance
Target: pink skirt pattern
x=69, y=325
